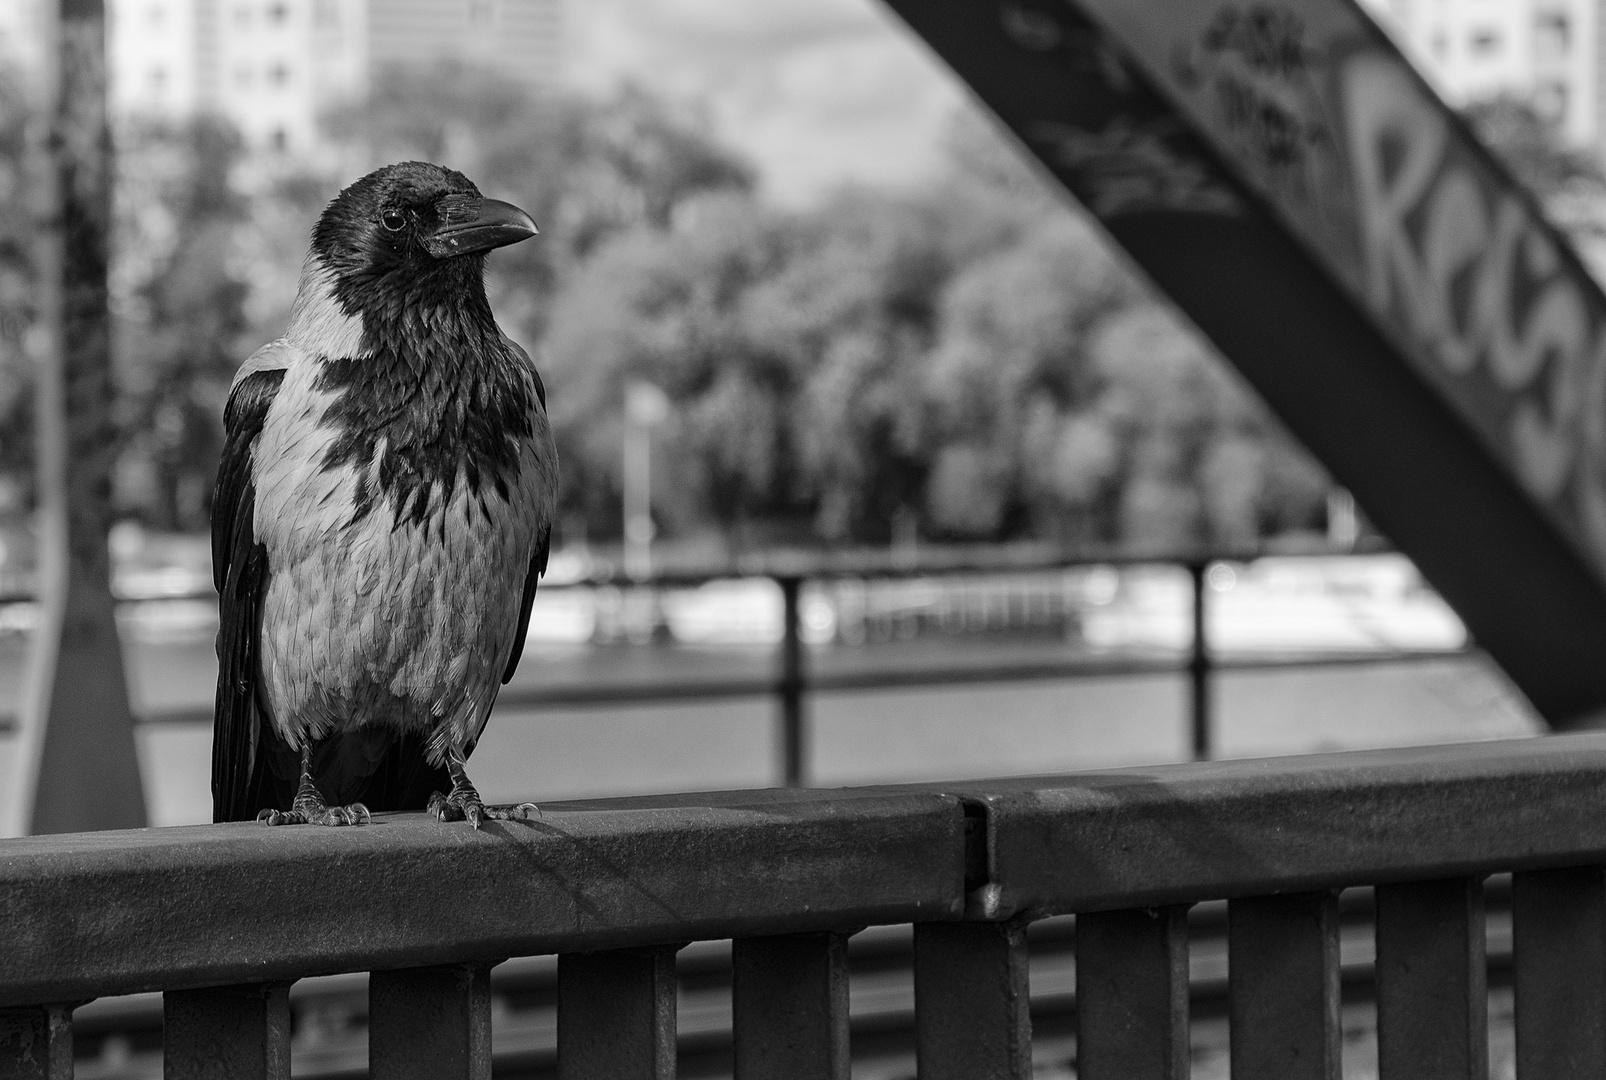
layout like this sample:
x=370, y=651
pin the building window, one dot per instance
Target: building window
x=1552, y=33
x=1485, y=43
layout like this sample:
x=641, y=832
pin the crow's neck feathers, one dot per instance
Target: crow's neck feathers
x=426, y=393
x=318, y=322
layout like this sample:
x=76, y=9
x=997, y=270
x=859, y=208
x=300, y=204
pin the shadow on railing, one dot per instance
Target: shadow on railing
x=223, y=918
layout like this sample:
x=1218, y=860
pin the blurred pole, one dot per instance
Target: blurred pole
x=792, y=685
x=79, y=767
x=645, y=408
x=1199, y=665
x=1343, y=522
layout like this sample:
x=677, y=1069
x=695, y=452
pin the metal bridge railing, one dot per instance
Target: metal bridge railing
x=223, y=918
x=793, y=680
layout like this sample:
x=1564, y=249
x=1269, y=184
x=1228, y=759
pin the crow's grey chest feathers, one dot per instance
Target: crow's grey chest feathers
x=404, y=495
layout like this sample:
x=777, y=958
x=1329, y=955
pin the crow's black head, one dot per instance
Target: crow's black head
x=412, y=230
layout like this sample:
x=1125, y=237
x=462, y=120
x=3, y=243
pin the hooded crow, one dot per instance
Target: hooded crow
x=382, y=514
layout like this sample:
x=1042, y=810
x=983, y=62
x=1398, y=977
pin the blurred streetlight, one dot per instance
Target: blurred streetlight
x=645, y=408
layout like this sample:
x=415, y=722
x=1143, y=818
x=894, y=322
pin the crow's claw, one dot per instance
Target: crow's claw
x=464, y=804
x=309, y=812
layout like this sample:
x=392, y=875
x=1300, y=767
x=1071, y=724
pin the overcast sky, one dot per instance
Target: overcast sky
x=816, y=92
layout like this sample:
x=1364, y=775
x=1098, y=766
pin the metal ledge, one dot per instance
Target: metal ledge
x=91, y=914
x=1130, y=838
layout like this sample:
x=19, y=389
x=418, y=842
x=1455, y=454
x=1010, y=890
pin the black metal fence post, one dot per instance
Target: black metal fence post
x=793, y=681
x=1199, y=665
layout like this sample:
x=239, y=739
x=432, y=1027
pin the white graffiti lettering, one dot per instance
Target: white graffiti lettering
x=1522, y=328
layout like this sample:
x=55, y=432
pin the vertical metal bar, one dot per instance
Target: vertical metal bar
x=789, y=998
x=616, y=1015
x=972, y=1009
x=793, y=682
x=1132, y=995
x=1559, y=954
x=1282, y=975
x=227, y=1033
x=431, y=1022
x=36, y=1043
x=1199, y=665
x=79, y=769
x=1432, y=992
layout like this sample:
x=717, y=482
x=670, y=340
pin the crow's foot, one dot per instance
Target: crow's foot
x=313, y=811
x=464, y=804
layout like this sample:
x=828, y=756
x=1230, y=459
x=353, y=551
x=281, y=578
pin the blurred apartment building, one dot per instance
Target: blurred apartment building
x=273, y=67
x=1548, y=52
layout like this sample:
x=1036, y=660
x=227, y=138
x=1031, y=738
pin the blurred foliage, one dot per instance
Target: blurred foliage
x=1531, y=147
x=972, y=354
x=969, y=359
x=16, y=301
x=1568, y=181
x=180, y=294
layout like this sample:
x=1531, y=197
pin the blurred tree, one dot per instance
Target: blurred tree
x=1012, y=353
x=584, y=169
x=665, y=306
x=1532, y=147
x=16, y=301
x=181, y=306
x=972, y=354
x=1568, y=182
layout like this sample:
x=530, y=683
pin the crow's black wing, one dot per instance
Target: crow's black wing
x=240, y=572
x=537, y=568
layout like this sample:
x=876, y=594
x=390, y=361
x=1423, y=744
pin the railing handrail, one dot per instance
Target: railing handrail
x=927, y=561
x=107, y=913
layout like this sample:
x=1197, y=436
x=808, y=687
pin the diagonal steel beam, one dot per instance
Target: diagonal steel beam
x=1281, y=172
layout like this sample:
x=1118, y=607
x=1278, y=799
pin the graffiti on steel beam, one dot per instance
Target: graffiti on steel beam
x=1312, y=108
x=1262, y=79
x=1466, y=269
x=1126, y=169
x=1138, y=160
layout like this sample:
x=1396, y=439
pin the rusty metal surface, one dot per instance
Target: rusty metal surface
x=1559, y=952
x=430, y=1023
x=616, y=1015
x=227, y=1033
x=100, y=913
x=1432, y=981
x=1277, y=168
x=972, y=1007
x=36, y=1043
x=1282, y=971
x=1139, y=837
x=789, y=1006
x=1132, y=994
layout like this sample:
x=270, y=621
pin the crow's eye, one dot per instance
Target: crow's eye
x=392, y=219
